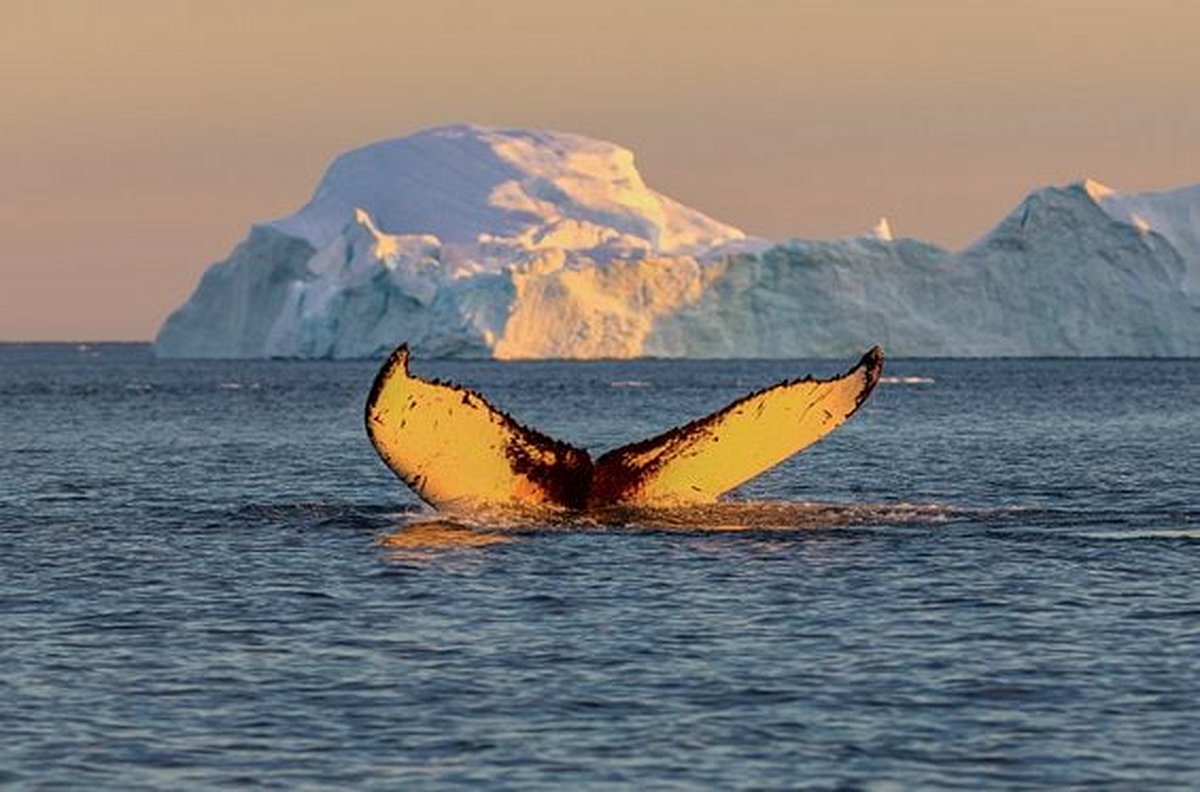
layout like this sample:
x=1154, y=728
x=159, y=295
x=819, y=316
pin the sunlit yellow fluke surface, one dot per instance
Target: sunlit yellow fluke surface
x=698, y=462
x=457, y=451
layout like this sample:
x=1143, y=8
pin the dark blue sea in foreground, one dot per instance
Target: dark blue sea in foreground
x=988, y=578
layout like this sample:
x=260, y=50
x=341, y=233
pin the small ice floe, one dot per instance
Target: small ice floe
x=1188, y=534
x=629, y=384
x=906, y=380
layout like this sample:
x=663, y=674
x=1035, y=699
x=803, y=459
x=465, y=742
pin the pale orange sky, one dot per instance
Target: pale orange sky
x=139, y=139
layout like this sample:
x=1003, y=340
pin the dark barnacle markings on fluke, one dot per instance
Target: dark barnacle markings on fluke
x=567, y=479
x=478, y=455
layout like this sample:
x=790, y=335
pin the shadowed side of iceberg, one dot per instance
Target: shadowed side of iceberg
x=233, y=309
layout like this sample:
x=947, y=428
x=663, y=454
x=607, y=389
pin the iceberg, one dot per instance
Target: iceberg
x=468, y=241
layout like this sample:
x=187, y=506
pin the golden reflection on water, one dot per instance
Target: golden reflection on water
x=440, y=534
x=432, y=532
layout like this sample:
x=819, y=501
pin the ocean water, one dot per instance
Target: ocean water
x=988, y=578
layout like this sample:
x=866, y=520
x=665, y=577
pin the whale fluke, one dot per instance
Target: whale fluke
x=456, y=450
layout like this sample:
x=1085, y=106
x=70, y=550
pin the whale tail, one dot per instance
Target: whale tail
x=456, y=450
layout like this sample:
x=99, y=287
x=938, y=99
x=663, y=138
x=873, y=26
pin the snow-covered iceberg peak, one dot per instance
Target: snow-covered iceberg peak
x=530, y=190
x=882, y=230
x=1097, y=191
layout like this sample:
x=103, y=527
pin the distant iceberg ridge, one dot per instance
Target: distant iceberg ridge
x=473, y=242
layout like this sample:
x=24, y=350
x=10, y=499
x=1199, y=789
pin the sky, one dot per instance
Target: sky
x=140, y=139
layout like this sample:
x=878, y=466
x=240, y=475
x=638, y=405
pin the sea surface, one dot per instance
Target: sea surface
x=988, y=578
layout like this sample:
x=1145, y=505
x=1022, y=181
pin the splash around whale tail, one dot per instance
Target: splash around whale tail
x=456, y=450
